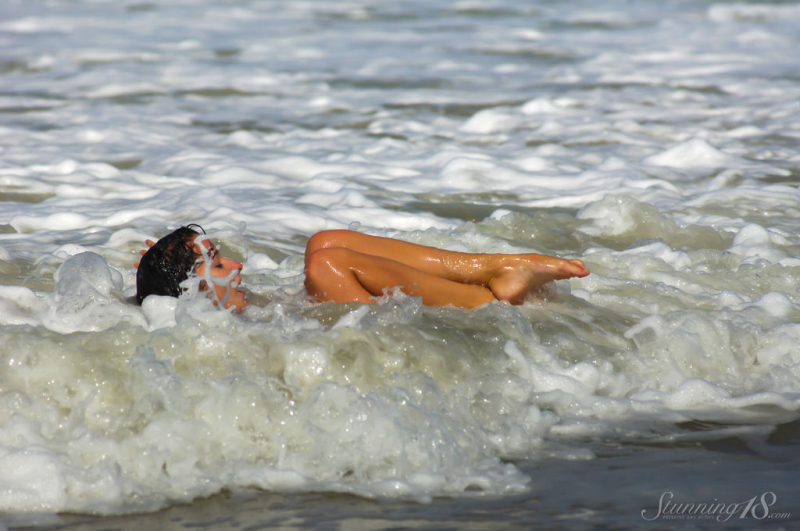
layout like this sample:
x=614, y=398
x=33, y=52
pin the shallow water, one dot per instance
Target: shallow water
x=657, y=142
x=636, y=493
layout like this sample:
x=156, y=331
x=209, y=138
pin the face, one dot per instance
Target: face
x=222, y=277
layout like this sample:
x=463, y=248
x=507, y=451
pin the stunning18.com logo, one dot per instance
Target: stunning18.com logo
x=757, y=507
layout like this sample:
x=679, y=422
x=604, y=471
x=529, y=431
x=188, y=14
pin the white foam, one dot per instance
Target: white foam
x=776, y=304
x=692, y=154
x=159, y=311
x=490, y=121
x=87, y=296
x=611, y=215
x=752, y=242
x=546, y=106
x=33, y=479
x=661, y=154
x=20, y=305
x=741, y=12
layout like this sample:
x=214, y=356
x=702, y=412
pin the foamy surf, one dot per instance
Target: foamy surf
x=657, y=143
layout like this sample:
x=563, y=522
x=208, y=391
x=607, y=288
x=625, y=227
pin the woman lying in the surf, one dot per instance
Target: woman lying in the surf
x=347, y=266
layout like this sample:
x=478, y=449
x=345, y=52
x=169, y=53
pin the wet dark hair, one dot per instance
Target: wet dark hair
x=167, y=264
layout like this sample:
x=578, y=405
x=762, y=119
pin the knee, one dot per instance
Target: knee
x=322, y=266
x=326, y=239
x=326, y=258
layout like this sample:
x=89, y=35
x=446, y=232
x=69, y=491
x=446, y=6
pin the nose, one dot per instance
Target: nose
x=231, y=264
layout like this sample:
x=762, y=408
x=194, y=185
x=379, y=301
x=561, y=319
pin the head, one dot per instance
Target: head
x=183, y=252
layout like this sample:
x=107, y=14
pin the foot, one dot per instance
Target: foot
x=517, y=276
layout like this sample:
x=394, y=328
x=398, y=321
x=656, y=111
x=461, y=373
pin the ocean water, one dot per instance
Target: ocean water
x=657, y=141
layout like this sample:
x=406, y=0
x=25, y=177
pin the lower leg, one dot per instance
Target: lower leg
x=509, y=276
x=342, y=275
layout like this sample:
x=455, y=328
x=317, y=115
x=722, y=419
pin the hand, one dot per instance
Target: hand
x=149, y=244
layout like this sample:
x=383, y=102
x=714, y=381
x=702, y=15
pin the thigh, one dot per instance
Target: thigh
x=420, y=257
